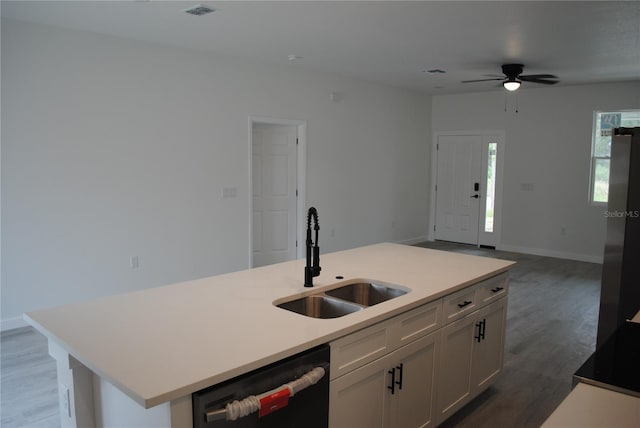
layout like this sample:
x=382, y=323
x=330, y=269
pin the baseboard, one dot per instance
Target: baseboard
x=551, y=253
x=412, y=241
x=11, y=323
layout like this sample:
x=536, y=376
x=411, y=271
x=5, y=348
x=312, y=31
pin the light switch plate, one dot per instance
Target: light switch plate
x=527, y=187
x=229, y=192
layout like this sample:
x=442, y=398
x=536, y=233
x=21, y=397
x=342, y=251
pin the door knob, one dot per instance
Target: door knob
x=475, y=196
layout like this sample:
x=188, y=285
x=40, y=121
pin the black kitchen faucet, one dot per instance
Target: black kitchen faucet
x=312, y=270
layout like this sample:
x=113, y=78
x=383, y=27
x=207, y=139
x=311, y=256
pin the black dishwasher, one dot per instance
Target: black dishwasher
x=307, y=408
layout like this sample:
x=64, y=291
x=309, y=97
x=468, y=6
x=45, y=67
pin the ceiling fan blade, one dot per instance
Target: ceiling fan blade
x=537, y=76
x=481, y=80
x=541, y=81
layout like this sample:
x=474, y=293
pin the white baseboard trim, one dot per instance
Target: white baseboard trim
x=551, y=253
x=11, y=323
x=412, y=241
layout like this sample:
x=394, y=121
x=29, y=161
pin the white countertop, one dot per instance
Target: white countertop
x=163, y=343
x=588, y=406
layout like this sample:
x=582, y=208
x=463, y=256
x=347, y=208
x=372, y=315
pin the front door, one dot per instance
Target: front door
x=458, y=188
x=468, y=187
x=274, y=161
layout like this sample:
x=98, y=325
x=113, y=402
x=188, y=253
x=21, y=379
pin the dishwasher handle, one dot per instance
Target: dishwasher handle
x=266, y=402
x=216, y=415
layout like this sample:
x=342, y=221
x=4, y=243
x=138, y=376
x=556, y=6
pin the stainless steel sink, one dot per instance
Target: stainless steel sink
x=343, y=300
x=319, y=306
x=365, y=293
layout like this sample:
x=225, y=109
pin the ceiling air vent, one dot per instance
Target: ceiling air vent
x=199, y=10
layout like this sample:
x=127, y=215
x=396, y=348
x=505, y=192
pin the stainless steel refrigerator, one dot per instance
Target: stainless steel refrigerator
x=620, y=294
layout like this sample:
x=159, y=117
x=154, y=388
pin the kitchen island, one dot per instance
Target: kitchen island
x=139, y=356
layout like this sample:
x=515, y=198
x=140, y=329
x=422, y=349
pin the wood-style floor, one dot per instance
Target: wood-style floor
x=29, y=386
x=551, y=330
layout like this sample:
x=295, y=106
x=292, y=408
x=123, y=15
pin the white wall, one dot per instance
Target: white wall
x=548, y=144
x=113, y=148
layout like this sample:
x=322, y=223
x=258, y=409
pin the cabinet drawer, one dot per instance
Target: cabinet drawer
x=459, y=304
x=417, y=323
x=359, y=348
x=492, y=289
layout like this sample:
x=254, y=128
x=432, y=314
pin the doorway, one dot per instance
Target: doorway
x=466, y=202
x=277, y=190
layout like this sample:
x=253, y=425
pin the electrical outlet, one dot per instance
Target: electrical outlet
x=134, y=262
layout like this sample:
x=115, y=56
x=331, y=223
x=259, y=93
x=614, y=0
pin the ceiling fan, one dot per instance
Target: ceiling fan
x=513, y=78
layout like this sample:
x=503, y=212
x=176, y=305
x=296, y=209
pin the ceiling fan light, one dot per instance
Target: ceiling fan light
x=511, y=85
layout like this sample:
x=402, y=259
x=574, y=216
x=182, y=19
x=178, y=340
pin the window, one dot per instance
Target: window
x=603, y=125
x=491, y=187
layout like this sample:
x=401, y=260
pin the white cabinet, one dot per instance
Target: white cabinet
x=411, y=404
x=471, y=356
x=393, y=391
x=420, y=367
x=488, y=350
x=371, y=343
x=358, y=398
x=454, y=384
x=385, y=375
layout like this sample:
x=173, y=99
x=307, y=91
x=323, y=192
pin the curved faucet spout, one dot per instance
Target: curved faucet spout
x=313, y=251
x=312, y=213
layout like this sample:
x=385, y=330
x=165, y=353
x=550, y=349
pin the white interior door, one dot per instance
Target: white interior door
x=458, y=188
x=274, y=161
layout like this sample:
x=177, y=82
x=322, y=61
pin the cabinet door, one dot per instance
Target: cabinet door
x=359, y=398
x=488, y=351
x=454, y=369
x=412, y=404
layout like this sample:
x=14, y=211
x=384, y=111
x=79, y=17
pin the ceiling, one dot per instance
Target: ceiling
x=388, y=42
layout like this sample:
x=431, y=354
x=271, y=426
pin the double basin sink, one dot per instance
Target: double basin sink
x=343, y=300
